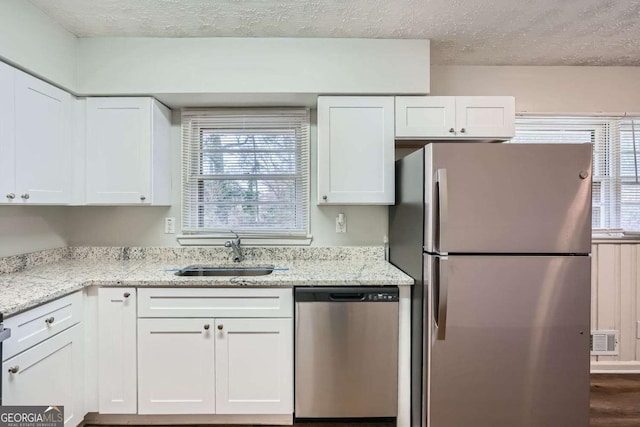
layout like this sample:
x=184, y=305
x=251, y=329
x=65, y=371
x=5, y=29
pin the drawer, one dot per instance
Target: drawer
x=218, y=302
x=36, y=325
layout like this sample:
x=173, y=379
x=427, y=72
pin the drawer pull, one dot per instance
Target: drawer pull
x=49, y=321
x=220, y=327
x=14, y=369
x=126, y=295
x=206, y=327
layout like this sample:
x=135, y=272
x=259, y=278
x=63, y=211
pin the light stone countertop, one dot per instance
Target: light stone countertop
x=38, y=284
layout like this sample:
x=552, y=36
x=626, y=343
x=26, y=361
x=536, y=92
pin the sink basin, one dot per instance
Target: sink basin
x=208, y=270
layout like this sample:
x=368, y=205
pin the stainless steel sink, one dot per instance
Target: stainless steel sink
x=208, y=270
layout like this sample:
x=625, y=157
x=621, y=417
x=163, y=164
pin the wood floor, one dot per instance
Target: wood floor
x=615, y=402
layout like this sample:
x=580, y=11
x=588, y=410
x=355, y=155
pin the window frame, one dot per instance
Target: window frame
x=212, y=236
x=606, y=138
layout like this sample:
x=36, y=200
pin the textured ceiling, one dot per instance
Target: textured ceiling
x=479, y=32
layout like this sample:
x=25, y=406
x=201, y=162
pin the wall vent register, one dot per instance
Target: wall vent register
x=604, y=343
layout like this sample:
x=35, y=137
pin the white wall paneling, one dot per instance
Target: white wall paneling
x=615, y=299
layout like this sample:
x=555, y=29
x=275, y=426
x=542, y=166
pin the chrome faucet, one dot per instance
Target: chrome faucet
x=235, y=246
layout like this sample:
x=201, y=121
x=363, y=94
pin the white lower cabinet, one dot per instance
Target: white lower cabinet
x=50, y=373
x=176, y=369
x=117, y=361
x=234, y=357
x=254, y=360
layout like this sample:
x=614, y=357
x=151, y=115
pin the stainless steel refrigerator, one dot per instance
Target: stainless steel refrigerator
x=497, y=237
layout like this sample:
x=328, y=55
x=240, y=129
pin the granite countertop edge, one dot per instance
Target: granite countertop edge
x=39, y=285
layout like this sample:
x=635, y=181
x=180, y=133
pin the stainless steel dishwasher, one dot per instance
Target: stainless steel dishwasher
x=346, y=352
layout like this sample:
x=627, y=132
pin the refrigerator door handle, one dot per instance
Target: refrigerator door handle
x=443, y=209
x=443, y=293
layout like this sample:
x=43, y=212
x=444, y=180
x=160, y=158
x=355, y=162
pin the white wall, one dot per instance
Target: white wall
x=32, y=41
x=546, y=89
x=144, y=226
x=26, y=229
x=136, y=65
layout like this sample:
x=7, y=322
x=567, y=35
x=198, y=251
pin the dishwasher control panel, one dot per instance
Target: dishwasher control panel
x=382, y=296
x=344, y=294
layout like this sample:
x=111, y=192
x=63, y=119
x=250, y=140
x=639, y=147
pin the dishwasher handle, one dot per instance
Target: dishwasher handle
x=347, y=297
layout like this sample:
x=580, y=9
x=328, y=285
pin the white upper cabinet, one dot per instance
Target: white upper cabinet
x=7, y=135
x=455, y=117
x=42, y=142
x=355, y=150
x=127, y=152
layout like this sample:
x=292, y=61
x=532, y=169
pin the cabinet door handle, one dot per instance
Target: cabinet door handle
x=11, y=196
x=143, y=198
x=206, y=327
x=126, y=295
x=49, y=321
x=25, y=196
x=14, y=369
x=220, y=327
x=463, y=130
x=324, y=198
x=452, y=130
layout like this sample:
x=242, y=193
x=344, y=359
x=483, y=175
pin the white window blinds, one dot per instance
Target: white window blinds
x=615, y=194
x=629, y=178
x=246, y=170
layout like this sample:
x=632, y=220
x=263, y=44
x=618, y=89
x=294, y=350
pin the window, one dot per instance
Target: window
x=246, y=171
x=616, y=186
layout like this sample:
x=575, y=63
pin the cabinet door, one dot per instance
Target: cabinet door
x=118, y=151
x=48, y=374
x=485, y=116
x=356, y=150
x=43, y=142
x=425, y=116
x=254, y=366
x=117, y=372
x=176, y=366
x=7, y=135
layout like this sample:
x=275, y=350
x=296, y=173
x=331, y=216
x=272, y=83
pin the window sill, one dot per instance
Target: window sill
x=616, y=238
x=204, y=240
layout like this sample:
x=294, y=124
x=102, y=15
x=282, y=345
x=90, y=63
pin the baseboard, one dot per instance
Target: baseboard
x=631, y=367
x=93, y=418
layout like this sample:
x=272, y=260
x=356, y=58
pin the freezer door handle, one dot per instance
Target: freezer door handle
x=443, y=209
x=443, y=293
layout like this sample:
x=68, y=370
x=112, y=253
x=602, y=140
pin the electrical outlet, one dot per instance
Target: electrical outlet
x=169, y=226
x=341, y=223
